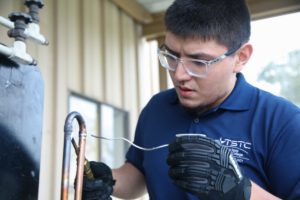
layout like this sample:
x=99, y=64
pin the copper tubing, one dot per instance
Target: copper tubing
x=88, y=173
x=68, y=129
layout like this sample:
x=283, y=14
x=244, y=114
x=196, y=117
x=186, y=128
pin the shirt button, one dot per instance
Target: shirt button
x=196, y=120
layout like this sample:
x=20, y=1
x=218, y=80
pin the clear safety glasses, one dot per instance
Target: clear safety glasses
x=194, y=67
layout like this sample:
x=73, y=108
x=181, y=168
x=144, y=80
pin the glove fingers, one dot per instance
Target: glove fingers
x=207, y=169
x=199, y=143
x=190, y=187
x=104, y=193
x=189, y=158
x=99, y=168
x=222, y=158
x=92, y=185
x=101, y=171
x=197, y=174
x=203, y=179
x=200, y=159
x=94, y=196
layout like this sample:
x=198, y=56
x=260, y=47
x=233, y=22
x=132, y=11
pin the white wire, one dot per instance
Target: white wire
x=142, y=148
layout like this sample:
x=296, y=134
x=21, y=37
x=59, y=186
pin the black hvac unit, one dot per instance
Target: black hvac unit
x=21, y=121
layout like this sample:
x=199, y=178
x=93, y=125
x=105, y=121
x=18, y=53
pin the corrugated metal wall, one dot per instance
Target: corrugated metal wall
x=94, y=50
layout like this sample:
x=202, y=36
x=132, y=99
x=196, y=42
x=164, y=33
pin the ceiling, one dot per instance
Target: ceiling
x=150, y=13
x=155, y=6
x=260, y=9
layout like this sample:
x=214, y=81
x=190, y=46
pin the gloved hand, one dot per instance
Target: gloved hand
x=207, y=169
x=101, y=187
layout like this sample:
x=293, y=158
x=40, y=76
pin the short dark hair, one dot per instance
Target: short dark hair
x=225, y=21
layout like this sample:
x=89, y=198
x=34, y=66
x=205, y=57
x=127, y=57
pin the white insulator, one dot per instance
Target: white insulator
x=33, y=34
x=17, y=53
x=6, y=23
x=7, y=51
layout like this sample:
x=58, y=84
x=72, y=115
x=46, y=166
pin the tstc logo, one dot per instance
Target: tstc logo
x=239, y=149
x=235, y=143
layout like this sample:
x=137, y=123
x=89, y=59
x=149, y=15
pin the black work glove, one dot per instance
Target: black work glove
x=207, y=169
x=101, y=187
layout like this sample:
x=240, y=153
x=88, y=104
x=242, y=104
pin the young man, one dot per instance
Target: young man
x=206, y=47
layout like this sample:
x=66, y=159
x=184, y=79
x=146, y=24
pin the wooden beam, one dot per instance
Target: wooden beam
x=271, y=8
x=135, y=10
x=156, y=28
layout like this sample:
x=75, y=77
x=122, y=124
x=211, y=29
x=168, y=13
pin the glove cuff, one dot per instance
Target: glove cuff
x=111, y=182
x=247, y=189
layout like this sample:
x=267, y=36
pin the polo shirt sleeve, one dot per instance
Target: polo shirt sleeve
x=134, y=155
x=283, y=166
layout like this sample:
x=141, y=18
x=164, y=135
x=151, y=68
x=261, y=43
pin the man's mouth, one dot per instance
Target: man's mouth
x=185, y=91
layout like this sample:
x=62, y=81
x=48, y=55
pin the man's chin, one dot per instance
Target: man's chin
x=198, y=109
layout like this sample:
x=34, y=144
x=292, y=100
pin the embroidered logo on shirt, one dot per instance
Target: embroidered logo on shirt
x=239, y=149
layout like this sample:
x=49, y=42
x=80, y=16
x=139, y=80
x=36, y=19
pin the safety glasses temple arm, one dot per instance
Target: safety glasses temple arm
x=233, y=50
x=159, y=49
x=225, y=55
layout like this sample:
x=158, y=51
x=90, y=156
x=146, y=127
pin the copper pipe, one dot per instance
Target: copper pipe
x=66, y=156
x=80, y=163
x=88, y=173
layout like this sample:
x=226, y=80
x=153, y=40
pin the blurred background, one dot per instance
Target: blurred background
x=102, y=62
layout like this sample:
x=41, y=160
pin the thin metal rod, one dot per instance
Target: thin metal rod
x=142, y=148
x=75, y=146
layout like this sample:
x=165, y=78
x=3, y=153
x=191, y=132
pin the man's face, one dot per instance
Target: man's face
x=206, y=92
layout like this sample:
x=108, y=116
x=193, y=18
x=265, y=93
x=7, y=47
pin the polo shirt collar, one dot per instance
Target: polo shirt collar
x=239, y=99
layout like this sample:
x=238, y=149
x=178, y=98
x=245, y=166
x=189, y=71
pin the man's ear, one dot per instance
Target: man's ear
x=242, y=56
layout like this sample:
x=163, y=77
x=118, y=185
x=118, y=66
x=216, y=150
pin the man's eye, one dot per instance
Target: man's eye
x=170, y=58
x=198, y=64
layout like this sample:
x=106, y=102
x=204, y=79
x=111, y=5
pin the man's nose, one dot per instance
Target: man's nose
x=181, y=73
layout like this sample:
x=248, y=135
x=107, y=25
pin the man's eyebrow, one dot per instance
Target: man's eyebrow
x=200, y=56
x=171, y=51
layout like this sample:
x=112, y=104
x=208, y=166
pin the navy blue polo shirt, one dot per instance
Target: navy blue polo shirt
x=262, y=130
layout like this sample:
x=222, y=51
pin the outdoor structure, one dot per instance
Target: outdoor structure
x=99, y=49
